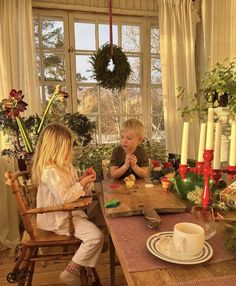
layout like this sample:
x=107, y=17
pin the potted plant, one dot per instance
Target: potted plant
x=217, y=88
x=218, y=84
x=21, y=133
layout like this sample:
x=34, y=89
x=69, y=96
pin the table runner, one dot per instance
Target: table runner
x=133, y=232
x=229, y=280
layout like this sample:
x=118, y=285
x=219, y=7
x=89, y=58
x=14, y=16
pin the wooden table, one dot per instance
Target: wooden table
x=133, y=201
x=164, y=276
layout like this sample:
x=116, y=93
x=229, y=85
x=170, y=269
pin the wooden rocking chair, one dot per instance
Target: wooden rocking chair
x=34, y=239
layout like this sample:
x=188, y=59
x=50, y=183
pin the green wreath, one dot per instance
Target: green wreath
x=115, y=78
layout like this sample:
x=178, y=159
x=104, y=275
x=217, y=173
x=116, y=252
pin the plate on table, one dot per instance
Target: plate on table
x=161, y=245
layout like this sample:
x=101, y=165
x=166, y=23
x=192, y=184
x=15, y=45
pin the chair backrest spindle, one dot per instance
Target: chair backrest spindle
x=21, y=200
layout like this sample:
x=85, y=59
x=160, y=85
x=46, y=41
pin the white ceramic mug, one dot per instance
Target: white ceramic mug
x=188, y=238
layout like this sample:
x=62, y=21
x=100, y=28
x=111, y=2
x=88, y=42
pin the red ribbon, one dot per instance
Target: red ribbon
x=110, y=22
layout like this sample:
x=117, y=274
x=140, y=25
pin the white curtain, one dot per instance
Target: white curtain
x=177, y=22
x=17, y=70
x=218, y=30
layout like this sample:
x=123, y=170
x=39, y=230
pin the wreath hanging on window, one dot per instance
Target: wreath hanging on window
x=112, y=72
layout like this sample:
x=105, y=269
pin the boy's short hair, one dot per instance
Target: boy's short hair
x=135, y=125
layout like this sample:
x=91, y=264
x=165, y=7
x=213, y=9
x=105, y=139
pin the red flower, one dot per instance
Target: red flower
x=14, y=104
x=168, y=164
x=155, y=163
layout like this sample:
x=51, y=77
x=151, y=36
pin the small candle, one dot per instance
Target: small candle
x=202, y=142
x=210, y=116
x=209, y=136
x=232, y=152
x=184, y=150
x=217, y=146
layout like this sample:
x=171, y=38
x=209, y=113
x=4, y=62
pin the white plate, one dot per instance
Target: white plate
x=161, y=245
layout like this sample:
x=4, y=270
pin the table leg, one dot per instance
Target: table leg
x=112, y=261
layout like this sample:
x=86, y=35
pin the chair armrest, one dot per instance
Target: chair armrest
x=81, y=203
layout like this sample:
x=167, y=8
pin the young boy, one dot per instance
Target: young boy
x=130, y=158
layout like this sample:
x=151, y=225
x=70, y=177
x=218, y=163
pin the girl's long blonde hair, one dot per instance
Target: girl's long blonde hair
x=54, y=147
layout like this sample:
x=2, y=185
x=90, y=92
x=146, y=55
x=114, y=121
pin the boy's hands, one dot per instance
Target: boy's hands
x=130, y=160
x=133, y=160
x=127, y=162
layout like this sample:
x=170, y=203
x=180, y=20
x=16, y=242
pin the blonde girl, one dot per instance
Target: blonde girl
x=58, y=183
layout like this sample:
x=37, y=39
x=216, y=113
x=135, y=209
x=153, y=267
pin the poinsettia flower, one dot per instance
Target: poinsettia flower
x=14, y=104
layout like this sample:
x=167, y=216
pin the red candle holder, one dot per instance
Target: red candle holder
x=216, y=175
x=183, y=169
x=231, y=171
x=207, y=173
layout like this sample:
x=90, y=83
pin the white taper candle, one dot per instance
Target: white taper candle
x=209, y=136
x=217, y=146
x=210, y=115
x=184, y=149
x=202, y=142
x=232, y=152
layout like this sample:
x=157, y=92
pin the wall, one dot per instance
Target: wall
x=127, y=7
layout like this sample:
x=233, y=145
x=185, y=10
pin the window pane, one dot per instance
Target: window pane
x=109, y=102
x=52, y=34
x=155, y=41
x=131, y=38
x=36, y=32
x=155, y=71
x=83, y=69
x=38, y=64
x=132, y=101
x=157, y=100
x=85, y=36
x=135, y=67
x=158, y=132
x=54, y=67
x=104, y=34
x=87, y=100
x=94, y=119
x=110, y=129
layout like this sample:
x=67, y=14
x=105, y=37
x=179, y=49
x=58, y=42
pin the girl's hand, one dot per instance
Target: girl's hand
x=87, y=180
x=88, y=171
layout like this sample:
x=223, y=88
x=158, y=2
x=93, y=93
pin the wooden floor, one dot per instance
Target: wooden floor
x=49, y=275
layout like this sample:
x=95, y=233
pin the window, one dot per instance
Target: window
x=65, y=43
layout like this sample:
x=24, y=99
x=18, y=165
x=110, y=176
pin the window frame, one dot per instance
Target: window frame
x=145, y=24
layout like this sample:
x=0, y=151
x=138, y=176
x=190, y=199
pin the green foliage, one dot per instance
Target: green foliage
x=108, y=78
x=220, y=79
x=92, y=156
x=81, y=126
x=196, y=104
x=183, y=187
x=13, y=136
x=156, y=150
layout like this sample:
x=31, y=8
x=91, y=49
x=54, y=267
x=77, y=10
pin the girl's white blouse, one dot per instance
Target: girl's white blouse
x=57, y=188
